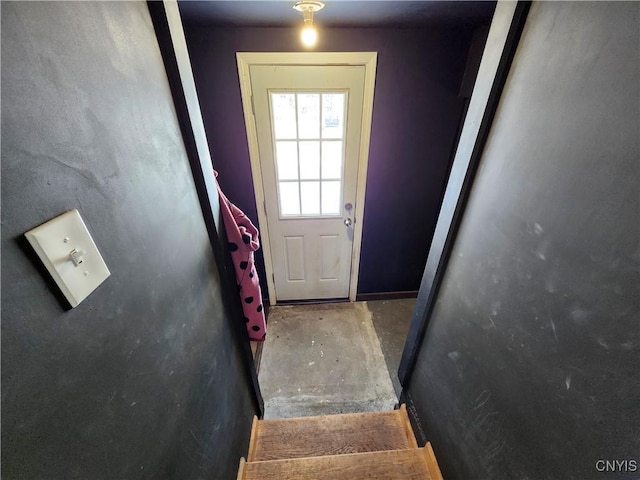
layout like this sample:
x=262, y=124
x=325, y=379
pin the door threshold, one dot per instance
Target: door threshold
x=312, y=301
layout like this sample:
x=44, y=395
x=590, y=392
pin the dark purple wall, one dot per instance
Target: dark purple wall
x=415, y=120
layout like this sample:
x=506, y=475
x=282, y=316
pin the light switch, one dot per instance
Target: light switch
x=66, y=248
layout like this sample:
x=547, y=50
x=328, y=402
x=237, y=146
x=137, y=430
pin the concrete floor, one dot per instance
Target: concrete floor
x=333, y=358
x=391, y=319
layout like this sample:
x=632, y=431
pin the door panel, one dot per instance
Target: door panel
x=308, y=123
x=329, y=257
x=294, y=258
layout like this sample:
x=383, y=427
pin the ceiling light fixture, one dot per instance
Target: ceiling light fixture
x=309, y=34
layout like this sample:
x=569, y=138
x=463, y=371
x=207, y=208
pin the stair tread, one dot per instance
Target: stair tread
x=407, y=464
x=331, y=435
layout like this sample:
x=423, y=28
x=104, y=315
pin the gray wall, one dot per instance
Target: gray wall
x=530, y=364
x=144, y=379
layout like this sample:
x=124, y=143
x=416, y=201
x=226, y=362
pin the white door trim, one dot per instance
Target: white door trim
x=366, y=59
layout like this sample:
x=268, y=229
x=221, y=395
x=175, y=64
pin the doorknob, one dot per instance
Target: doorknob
x=348, y=222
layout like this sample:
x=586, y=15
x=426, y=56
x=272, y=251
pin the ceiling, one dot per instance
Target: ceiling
x=338, y=13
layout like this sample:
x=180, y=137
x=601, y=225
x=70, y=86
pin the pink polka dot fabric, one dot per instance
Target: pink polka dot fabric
x=242, y=236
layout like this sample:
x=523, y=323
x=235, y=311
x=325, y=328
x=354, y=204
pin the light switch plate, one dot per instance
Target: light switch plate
x=55, y=241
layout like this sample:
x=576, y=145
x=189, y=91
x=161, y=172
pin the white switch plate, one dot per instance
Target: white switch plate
x=54, y=241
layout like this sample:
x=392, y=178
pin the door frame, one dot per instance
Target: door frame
x=366, y=59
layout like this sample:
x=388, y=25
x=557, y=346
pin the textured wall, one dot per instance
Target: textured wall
x=415, y=119
x=142, y=380
x=529, y=368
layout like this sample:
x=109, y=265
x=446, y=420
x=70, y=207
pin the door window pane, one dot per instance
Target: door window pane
x=310, y=160
x=330, y=198
x=310, y=195
x=332, y=160
x=309, y=170
x=333, y=115
x=308, y=115
x=289, y=198
x=284, y=115
x=287, y=160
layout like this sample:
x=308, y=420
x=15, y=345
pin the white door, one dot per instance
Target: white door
x=308, y=122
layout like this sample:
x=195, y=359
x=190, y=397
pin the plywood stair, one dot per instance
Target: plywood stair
x=332, y=447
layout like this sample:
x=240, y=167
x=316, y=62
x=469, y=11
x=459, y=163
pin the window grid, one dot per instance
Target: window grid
x=295, y=106
x=321, y=145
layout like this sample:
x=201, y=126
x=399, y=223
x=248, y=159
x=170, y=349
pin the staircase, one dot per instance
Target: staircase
x=332, y=447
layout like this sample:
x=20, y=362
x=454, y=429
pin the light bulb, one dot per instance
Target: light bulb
x=309, y=35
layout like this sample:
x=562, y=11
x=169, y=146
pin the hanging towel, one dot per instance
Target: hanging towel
x=242, y=236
